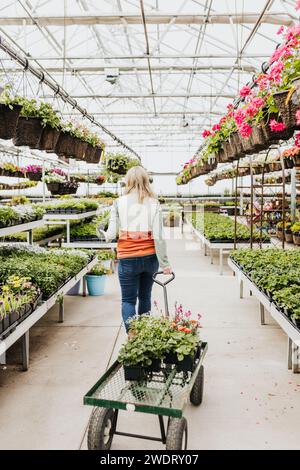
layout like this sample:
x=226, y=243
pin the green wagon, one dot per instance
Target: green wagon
x=164, y=393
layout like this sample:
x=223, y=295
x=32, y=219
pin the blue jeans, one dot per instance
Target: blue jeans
x=135, y=276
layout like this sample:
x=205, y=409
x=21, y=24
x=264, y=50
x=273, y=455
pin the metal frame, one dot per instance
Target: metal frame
x=59, y=219
x=266, y=304
x=28, y=227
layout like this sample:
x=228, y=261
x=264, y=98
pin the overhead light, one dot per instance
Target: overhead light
x=111, y=74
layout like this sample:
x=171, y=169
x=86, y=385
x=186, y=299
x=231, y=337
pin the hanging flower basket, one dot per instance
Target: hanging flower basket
x=34, y=176
x=259, y=138
x=100, y=180
x=67, y=187
x=49, y=139
x=229, y=151
x=28, y=132
x=98, y=154
x=90, y=153
x=65, y=145
x=248, y=145
x=236, y=138
x=79, y=148
x=9, y=120
x=287, y=110
x=117, y=165
x=273, y=136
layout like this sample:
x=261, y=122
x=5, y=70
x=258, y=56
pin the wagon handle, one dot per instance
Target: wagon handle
x=163, y=285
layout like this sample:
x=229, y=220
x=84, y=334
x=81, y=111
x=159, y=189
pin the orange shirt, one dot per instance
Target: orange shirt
x=131, y=244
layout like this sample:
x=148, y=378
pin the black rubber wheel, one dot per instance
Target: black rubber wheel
x=100, y=434
x=177, y=434
x=196, y=394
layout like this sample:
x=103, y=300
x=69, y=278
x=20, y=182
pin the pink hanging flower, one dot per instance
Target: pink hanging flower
x=216, y=127
x=276, y=126
x=206, y=133
x=297, y=7
x=298, y=116
x=245, y=130
x=245, y=91
x=297, y=139
x=188, y=314
x=281, y=30
x=239, y=117
x=258, y=102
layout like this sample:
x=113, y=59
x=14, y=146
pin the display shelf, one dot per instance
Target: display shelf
x=22, y=330
x=96, y=245
x=65, y=219
x=266, y=304
x=222, y=248
x=28, y=227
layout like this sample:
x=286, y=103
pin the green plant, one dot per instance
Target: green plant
x=100, y=270
x=49, y=116
x=16, y=200
x=296, y=227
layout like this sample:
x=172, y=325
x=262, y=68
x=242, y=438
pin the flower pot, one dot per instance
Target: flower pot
x=248, y=145
x=287, y=110
x=95, y=284
x=79, y=149
x=137, y=373
x=8, y=121
x=296, y=238
x=238, y=145
x=272, y=136
x=98, y=154
x=90, y=154
x=259, y=139
x=279, y=233
x=288, y=236
x=155, y=366
x=49, y=139
x=53, y=187
x=75, y=289
x=32, y=176
x=28, y=132
x=65, y=145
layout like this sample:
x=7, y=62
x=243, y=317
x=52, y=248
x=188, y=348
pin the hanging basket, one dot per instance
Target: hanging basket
x=79, y=148
x=28, y=132
x=8, y=121
x=120, y=170
x=272, y=136
x=248, y=145
x=90, y=153
x=49, y=139
x=287, y=110
x=259, y=138
x=229, y=151
x=62, y=188
x=65, y=145
x=236, y=138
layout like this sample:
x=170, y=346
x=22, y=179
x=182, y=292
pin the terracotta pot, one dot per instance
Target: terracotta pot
x=8, y=121
x=28, y=132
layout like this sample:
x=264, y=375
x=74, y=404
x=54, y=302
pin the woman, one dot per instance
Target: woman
x=136, y=217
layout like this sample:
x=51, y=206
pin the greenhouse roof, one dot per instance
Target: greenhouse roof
x=153, y=72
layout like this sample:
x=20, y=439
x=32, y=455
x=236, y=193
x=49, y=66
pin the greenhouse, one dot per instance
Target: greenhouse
x=149, y=226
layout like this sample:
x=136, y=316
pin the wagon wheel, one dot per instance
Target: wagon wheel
x=100, y=430
x=177, y=434
x=196, y=394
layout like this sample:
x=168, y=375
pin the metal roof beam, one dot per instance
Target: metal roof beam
x=156, y=95
x=276, y=18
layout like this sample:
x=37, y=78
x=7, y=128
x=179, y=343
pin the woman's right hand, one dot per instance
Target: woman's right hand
x=167, y=270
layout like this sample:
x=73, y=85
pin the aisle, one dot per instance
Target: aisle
x=251, y=400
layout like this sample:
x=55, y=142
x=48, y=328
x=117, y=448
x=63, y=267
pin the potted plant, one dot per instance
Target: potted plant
x=10, y=108
x=288, y=235
x=51, y=124
x=296, y=233
x=29, y=128
x=34, y=172
x=96, y=280
x=117, y=163
x=100, y=179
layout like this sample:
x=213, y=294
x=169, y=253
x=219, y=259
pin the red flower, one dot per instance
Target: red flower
x=245, y=130
x=206, y=133
x=277, y=126
x=298, y=116
x=216, y=127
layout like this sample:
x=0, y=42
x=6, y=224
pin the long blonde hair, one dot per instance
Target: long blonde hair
x=137, y=179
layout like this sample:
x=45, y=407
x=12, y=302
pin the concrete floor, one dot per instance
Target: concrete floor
x=251, y=400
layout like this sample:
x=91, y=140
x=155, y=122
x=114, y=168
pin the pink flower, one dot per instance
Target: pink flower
x=239, y=117
x=277, y=126
x=206, y=133
x=258, y=102
x=297, y=139
x=281, y=29
x=188, y=314
x=298, y=116
x=245, y=130
x=245, y=91
x=216, y=127
x=297, y=5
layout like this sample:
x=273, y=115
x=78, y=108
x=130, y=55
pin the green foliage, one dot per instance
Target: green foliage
x=100, y=270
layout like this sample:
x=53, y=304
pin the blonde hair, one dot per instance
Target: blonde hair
x=137, y=179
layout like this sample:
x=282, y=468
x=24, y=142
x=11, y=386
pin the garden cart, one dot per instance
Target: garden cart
x=162, y=393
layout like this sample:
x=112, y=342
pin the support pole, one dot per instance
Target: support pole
x=61, y=314
x=25, y=351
